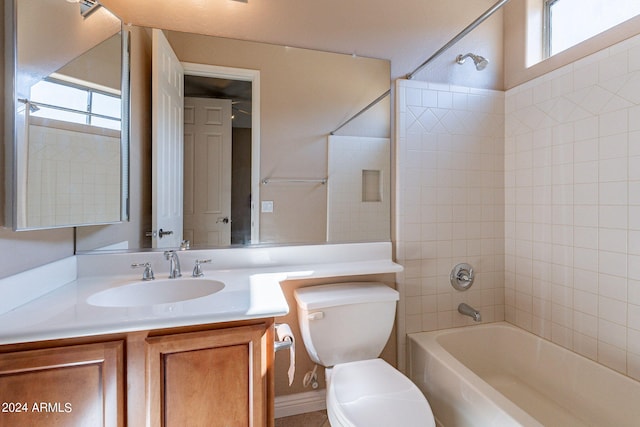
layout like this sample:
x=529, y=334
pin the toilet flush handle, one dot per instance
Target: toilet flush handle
x=315, y=316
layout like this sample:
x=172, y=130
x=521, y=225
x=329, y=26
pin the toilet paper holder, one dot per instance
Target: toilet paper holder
x=285, y=336
x=285, y=341
x=282, y=345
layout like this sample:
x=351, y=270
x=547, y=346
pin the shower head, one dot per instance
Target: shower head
x=480, y=62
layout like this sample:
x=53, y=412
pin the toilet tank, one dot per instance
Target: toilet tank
x=345, y=322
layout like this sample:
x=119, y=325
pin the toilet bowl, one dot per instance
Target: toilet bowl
x=344, y=328
x=373, y=393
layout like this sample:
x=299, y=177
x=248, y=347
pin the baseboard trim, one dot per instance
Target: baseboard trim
x=300, y=403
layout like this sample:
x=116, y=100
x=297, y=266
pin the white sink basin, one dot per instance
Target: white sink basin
x=154, y=292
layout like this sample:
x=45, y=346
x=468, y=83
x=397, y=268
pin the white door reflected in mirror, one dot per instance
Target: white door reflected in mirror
x=207, y=171
x=167, y=82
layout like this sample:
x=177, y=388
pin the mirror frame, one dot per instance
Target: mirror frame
x=10, y=64
x=10, y=140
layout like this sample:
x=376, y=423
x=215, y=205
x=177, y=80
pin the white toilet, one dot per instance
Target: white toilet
x=345, y=326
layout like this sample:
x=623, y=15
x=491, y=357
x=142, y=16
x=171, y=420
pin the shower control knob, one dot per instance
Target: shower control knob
x=462, y=276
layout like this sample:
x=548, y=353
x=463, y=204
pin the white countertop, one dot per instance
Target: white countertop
x=249, y=293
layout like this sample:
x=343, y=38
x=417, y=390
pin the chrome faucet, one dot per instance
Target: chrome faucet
x=197, y=270
x=174, y=264
x=467, y=310
x=147, y=274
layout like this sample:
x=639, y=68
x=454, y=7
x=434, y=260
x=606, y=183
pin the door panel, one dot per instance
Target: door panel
x=167, y=147
x=208, y=141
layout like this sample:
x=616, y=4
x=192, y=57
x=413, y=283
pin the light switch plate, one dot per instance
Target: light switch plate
x=267, y=206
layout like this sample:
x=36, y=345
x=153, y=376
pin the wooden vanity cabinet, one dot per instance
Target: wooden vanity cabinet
x=75, y=385
x=206, y=375
x=210, y=378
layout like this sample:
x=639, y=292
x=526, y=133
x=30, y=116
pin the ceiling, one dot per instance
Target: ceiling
x=238, y=91
x=406, y=32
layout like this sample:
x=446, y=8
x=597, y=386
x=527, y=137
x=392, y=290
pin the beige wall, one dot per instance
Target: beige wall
x=25, y=250
x=405, y=32
x=97, y=65
x=47, y=44
x=92, y=237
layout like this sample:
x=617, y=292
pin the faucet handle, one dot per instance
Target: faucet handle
x=197, y=270
x=147, y=274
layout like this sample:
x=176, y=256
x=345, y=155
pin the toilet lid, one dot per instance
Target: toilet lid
x=373, y=393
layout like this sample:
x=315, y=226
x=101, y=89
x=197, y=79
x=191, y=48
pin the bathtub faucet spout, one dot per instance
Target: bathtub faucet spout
x=467, y=310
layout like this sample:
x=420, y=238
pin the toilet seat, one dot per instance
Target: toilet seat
x=372, y=393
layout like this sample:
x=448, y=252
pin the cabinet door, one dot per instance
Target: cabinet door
x=209, y=379
x=79, y=385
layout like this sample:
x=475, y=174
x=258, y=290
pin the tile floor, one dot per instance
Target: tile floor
x=310, y=419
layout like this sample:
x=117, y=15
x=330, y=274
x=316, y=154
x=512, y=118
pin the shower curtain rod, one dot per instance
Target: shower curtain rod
x=374, y=102
x=493, y=9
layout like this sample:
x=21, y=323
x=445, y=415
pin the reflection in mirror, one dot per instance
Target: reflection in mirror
x=304, y=95
x=204, y=223
x=194, y=140
x=71, y=124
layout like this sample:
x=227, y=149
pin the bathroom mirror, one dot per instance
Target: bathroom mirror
x=303, y=96
x=66, y=115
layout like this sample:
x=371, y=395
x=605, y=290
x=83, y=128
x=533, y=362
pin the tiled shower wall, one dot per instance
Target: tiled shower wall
x=573, y=207
x=354, y=215
x=73, y=176
x=450, y=203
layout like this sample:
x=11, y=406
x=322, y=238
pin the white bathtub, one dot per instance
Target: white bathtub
x=500, y=375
